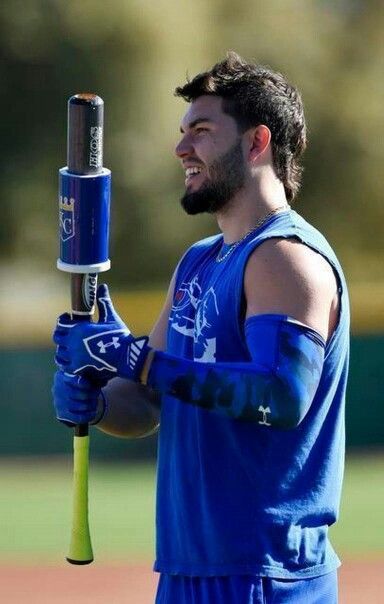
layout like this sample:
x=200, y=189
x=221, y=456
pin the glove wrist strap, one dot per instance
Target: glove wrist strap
x=132, y=361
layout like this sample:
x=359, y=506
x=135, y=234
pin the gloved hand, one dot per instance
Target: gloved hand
x=102, y=350
x=75, y=399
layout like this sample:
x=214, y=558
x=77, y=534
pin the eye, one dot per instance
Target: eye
x=201, y=129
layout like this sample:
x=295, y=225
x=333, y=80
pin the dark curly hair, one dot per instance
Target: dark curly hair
x=254, y=94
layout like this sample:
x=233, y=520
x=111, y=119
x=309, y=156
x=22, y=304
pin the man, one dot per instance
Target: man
x=249, y=356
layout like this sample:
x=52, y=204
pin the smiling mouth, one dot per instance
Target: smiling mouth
x=191, y=174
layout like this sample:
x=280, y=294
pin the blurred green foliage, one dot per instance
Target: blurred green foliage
x=133, y=53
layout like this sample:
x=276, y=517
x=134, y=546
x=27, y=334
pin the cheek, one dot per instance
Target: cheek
x=209, y=156
x=206, y=148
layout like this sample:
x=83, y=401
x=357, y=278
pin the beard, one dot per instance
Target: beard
x=227, y=177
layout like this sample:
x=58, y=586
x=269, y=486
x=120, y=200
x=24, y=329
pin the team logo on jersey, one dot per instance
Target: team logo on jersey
x=66, y=217
x=193, y=315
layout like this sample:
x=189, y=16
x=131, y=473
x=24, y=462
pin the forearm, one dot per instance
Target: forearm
x=275, y=388
x=231, y=389
x=132, y=410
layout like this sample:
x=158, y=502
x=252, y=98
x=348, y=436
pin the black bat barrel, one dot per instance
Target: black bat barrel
x=85, y=134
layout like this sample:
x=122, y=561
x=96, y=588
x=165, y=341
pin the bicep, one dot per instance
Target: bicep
x=287, y=277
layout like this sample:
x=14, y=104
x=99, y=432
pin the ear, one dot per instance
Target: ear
x=260, y=138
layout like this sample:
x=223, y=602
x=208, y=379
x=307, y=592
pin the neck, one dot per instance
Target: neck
x=248, y=207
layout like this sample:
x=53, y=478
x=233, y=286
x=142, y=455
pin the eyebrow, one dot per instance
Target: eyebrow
x=196, y=121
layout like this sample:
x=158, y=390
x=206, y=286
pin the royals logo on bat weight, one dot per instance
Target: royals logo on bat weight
x=67, y=217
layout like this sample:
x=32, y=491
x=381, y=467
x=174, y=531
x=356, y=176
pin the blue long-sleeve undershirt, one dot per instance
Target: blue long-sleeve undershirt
x=275, y=388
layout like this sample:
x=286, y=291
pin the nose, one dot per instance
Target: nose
x=183, y=147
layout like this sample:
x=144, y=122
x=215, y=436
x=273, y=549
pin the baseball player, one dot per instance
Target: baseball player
x=245, y=370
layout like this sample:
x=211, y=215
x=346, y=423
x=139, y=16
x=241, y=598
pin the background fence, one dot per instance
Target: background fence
x=29, y=425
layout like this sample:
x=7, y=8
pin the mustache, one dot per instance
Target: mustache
x=190, y=160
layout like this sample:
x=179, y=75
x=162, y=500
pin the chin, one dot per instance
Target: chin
x=194, y=187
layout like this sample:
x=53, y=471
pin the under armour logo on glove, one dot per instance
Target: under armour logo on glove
x=104, y=345
x=99, y=350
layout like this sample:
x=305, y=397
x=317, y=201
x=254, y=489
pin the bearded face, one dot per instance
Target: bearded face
x=225, y=176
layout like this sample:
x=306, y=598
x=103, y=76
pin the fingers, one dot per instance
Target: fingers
x=61, y=362
x=63, y=326
x=76, y=383
x=65, y=321
x=58, y=338
x=107, y=313
x=75, y=398
x=62, y=358
x=80, y=388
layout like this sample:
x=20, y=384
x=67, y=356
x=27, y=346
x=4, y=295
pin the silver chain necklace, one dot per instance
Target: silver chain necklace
x=258, y=224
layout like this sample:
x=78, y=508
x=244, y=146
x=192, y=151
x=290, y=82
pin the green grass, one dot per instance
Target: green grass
x=35, y=508
x=360, y=529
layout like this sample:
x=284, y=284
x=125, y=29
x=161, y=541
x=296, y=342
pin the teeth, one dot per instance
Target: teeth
x=190, y=171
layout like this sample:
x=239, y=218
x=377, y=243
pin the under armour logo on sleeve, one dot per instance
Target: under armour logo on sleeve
x=264, y=411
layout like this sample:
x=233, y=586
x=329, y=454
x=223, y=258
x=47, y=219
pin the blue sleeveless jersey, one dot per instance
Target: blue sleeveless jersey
x=236, y=497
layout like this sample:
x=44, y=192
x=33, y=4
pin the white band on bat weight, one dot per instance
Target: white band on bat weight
x=100, y=267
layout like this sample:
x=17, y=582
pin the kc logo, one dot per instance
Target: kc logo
x=103, y=346
x=264, y=411
x=66, y=217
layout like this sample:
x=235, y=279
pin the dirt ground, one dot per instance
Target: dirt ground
x=361, y=582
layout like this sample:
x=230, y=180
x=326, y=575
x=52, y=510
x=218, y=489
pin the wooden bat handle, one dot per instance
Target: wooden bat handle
x=83, y=292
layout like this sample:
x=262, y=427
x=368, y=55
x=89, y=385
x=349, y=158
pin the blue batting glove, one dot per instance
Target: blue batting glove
x=102, y=350
x=75, y=399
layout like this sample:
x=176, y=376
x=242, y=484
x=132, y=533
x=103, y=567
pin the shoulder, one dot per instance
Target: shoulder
x=277, y=255
x=199, y=247
x=285, y=276
x=205, y=243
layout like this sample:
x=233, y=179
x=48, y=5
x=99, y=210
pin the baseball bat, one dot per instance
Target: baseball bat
x=84, y=233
